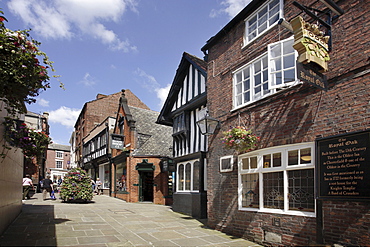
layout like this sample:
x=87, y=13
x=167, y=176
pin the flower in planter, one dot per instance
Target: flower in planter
x=239, y=138
x=76, y=186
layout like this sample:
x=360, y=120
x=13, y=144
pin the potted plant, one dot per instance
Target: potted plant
x=239, y=138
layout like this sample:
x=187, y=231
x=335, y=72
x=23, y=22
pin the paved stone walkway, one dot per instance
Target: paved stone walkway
x=109, y=222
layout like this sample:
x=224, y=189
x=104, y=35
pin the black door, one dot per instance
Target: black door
x=146, y=186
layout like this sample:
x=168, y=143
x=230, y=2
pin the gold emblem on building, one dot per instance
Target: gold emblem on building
x=311, y=43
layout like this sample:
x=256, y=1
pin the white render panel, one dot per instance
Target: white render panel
x=190, y=83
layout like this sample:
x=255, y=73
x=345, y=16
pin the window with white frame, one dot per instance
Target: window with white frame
x=59, y=154
x=266, y=74
x=265, y=17
x=59, y=164
x=188, y=176
x=278, y=180
x=226, y=163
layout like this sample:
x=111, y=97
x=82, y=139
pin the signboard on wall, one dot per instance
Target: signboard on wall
x=309, y=73
x=117, y=141
x=343, y=167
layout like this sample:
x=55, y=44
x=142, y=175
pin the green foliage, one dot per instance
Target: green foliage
x=76, y=186
x=23, y=68
x=240, y=139
x=33, y=143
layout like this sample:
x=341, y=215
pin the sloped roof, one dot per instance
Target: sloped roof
x=55, y=146
x=156, y=139
x=181, y=73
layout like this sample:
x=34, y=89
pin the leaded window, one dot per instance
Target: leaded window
x=278, y=180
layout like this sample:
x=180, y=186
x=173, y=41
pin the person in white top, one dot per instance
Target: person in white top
x=27, y=184
x=98, y=187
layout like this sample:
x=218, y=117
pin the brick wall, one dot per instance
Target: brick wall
x=300, y=114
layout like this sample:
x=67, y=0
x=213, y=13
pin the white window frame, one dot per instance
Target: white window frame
x=231, y=158
x=266, y=80
x=185, y=163
x=56, y=164
x=260, y=170
x=268, y=25
x=57, y=153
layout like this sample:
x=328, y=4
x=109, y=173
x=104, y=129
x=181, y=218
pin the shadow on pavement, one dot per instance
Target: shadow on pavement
x=34, y=226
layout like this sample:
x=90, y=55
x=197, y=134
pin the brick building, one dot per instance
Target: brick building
x=58, y=160
x=93, y=113
x=278, y=194
x=139, y=149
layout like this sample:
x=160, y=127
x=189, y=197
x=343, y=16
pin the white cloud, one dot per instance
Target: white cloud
x=64, y=116
x=232, y=8
x=69, y=18
x=88, y=80
x=43, y=102
x=149, y=82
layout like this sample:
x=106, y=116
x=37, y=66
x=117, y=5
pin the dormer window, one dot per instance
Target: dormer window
x=263, y=19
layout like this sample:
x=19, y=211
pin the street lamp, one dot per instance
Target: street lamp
x=207, y=125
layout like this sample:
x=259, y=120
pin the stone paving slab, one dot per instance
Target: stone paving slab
x=109, y=221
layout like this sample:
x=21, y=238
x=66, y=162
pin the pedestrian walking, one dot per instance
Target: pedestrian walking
x=47, y=187
x=27, y=184
x=98, y=186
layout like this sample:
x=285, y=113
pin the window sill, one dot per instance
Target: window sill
x=277, y=211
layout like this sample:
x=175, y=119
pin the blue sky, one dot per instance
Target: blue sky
x=103, y=46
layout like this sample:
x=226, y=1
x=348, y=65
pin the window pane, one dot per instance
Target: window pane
x=252, y=35
x=288, y=47
x=289, y=75
x=274, y=3
x=292, y=157
x=276, y=157
x=247, y=85
x=238, y=100
x=187, y=176
x=247, y=97
x=196, y=175
x=257, y=79
x=262, y=28
x=305, y=156
x=250, y=193
x=277, y=79
x=245, y=164
x=273, y=196
x=238, y=88
x=252, y=27
x=181, y=177
x=275, y=64
x=253, y=20
x=273, y=10
x=275, y=51
x=253, y=161
x=289, y=61
x=238, y=77
x=246, y=73
x=301, y=190
x=262, y=12
x=267, y=161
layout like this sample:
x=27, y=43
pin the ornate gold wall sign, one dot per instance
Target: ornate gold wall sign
x=310, y=42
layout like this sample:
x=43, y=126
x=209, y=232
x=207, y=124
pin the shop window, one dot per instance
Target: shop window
x=121, y=185
x=278, y=180
x=188, y=176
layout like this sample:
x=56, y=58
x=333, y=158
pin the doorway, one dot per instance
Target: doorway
x=146, y=186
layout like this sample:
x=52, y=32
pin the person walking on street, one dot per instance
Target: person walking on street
x=98, y=186
x=47, y=186
x=27, y=184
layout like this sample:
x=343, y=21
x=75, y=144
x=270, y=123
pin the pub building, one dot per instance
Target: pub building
x=295, y=73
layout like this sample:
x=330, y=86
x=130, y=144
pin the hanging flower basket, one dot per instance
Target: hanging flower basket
x=76, y=187
x=239, y=138
x=33, y=143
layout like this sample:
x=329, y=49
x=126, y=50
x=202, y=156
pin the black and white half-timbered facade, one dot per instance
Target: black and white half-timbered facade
x=185, y=105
